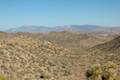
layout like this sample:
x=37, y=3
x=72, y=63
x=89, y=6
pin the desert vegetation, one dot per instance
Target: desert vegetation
x=106, y=71
x=56, y=56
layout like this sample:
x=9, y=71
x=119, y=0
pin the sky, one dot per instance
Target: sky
x=16, y=13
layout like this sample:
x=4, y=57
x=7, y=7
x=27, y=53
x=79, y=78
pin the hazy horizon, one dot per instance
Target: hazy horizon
x=16, y=13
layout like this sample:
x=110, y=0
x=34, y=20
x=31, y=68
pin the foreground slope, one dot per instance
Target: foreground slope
x=37, y=56
x=25, y=58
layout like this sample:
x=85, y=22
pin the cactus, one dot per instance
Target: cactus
x=109, y=71
x=105, y=72
x=94, y=73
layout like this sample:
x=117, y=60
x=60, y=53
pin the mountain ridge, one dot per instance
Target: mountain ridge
x=77, y=28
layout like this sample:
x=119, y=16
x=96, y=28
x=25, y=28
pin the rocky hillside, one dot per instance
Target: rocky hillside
x=108, y=51
x=49, y=56
x=72, y=40
x=112, y=46
x=25, y=58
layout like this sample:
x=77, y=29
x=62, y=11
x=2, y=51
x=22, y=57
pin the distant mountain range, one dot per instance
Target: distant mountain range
x=76, y=28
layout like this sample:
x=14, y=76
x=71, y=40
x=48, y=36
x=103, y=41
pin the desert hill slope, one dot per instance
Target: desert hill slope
x=112, y=46
x=48, y=56
x=72, y=40
x=25, y=58
x=108, y=51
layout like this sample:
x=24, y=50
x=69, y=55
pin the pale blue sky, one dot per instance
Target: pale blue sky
x=15, y=13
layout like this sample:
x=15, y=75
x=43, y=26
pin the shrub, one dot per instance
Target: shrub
x=94, y=72
x=106, y=72
x=109, y=71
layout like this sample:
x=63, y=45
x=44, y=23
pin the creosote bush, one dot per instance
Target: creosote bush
x=107, y=71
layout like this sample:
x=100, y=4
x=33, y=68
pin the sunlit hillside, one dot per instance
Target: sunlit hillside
x=52, y=56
